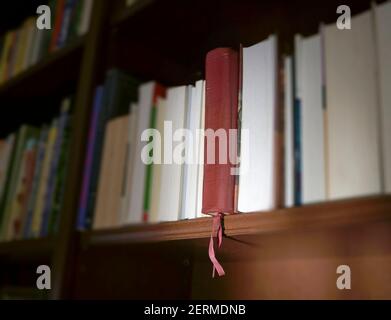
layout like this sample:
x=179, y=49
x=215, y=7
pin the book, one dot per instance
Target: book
x=24, y=134
x=201, y=149
x=288, y=134
x=257, y=154
x=159, y=91
x=172, y=168
x=41, y=147
x=6, y=55
x=44, y=179
x=120, y=90
x=139, y=189
x=192, y=165
x=5, y=161
x=156, y=189
x=66, y=22
x=57, y=23
x=297, y=149
x=23, y=190
x=54, y=163
x=85, y=18
x=21, y=48
x=91, y=145
x=309, y=92
x=129, y=160
x=30, y=42
x=60, y=180
x=221, y=113
x=353, y=147
x=382, y=14
x=108, y=207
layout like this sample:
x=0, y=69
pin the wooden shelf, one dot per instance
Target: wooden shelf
x=122, y=13
x=324, y=215
x=40, y=78
x=27, y=248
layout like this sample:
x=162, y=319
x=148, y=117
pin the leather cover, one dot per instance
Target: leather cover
x=221, y=112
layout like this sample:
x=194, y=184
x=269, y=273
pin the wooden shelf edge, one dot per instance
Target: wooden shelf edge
x=322, y=215
x=27, y=247
x=43, y=64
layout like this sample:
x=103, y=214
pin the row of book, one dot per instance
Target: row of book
x=336, y=115
x=27, y=45
x=33, y=166
x=338, y=111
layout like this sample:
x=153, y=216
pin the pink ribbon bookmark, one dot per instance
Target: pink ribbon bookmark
x=216, y=225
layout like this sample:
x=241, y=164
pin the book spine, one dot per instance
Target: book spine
x=53, y=167
x=60, y=179
x=221, y=112
x=60, y=6
x=97, y=152
x=88, y=162
x=84, y=21
x=35, y=183
x=159, y=91
x=31, y=158
x=63, y=35
x=297, y=152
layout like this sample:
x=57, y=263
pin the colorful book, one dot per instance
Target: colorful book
x=54, y=163
x=42, y=143
x=24, y=134
x=43, y=181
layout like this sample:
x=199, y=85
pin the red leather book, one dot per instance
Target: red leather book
x=221, y=112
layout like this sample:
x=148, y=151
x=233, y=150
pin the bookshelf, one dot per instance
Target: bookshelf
x=170, y=259
x=58, y=62
x=342, y=213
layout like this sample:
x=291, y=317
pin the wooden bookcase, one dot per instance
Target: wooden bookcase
x=286, y=253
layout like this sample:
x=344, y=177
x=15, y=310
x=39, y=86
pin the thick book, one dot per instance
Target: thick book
x=120, y=90
x=130, y=158
x=353, y=148
x=257, y=146
x=108, y=205
x=309, y=86
x=383, y=48
x=221, y=116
